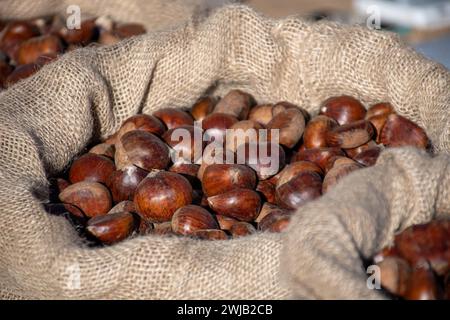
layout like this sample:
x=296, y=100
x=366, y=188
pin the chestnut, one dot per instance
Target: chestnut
x=295, y=168
x=242, y=229
x=160, y=194
x=267, y=191
x=300, y=189
x=378, y=123
x=212, y=155
x=399, y=131
x=142, y=122
x=422, y=284
x=353, y=152
x=14, y=34
x=124, y=206
x=202, y=108
x=185, y=169
x=291, y=124
x=20, y=73
x=123, y=183
x=338, y=161
x=142, y=149
x=127, y=30
x=91, y=167
x=350, y=135
x=225, y=223
x=242, y=132
x=395, y=274
x=103, y=149
x=111, y=228
x=211, y=234
x=30, y=50
x=319, y=156
x=241, y=204
x=368, y=157
x=336, y=173
x=186, y=143
x=174, y=118
x=220, y=178
x=383, y=108
x=315, y=135
x=216, y=124
x=267, y=209
x=236, y=103
x=92, y=198
x=265, y=158
x=284, y=105
x=188, y=219
x=343, y=109
x=261, y=113
x=276, y=221
x=86, y=34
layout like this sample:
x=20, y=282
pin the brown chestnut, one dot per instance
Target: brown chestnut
x=315, y=135
x=202, y=108
x=91, y=167
x=124, y=206
x=14, y=34
x=276, y=221
x=378, y=123
x=174, y=118
x=142, y=149
x=211, y=234
x=395, y=275
x=267, y=191
x=353, y=152
x=241, y=204
x=242, y=132
x=422, y=284
x=30, y=50
x=399, y=132
x=92, y=198
x=188, y=219
x=142, y=122
x=291, y=124
x=242, y=229
x=267, y=209
x=343, y=109
x=160, y=194
x=319, y=156
x=212, y=155
x=300, y=189
x=20, y=73
x=383, y=108
x=111, y=228
x=220, y=178
x=215, y=126
x=262, y=114
x=123, y=183
x=368, y=157
x=265, y=158
x=86, y=34
x=236, y=103
x=225, y=223
x=295, y=168
x=351, y=135
x=186, y=143
x=103, y=149
x=336, y=173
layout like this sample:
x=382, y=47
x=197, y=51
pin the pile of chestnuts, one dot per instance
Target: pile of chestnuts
x=27, y=45
x=216, y=183
x=417, y=266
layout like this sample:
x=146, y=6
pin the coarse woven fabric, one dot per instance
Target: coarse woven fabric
x=49, y=118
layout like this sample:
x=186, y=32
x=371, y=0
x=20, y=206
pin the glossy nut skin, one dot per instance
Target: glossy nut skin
x=241, y=204
x=111, y=228
x=295, y=168
x=186, y=143
x=383, y=108
x=187, y=220
x=92, y=198
x=267, y=191
x=14, y=34
x=395, y=274
x=20, y=73
x=29, y=51
x=123, y=183
x=300, y=189
x=160, y=194
x=343, y=109
x=242, y=229
x=242, y=132
x=291, y=124
x=315, y=135
x=87, y=33
x=211, y=234
x=336, y=173
x=368, y=157
x=142, y=122
x=265, y=158
x=422, y=284
x=261, y=114
x=225, y=223
x=143, y=150
x=276, y=221
x=216, y=124
x=399, y=132
x=267, y=209
x=319, y=156
x=91, y=167
x=174, y=118
x=104, y=149
x=212, y=155
x=236, y=103
x=202, y=108
x=378, y=123
x=124, y=206
x=353, y=152
x=351, y=135
x=220, y=178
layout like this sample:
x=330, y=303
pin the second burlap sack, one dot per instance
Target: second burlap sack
x=48, y=119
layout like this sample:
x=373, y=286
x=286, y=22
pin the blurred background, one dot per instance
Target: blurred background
x=425, y=24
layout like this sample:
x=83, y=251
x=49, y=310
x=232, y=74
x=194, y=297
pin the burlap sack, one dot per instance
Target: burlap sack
x=48, y=119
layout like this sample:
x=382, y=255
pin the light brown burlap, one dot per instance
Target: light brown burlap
x=47, y=119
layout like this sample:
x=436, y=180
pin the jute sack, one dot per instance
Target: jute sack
x=48, y=119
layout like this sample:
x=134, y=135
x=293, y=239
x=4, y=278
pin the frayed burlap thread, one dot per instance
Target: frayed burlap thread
x=49, y=118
